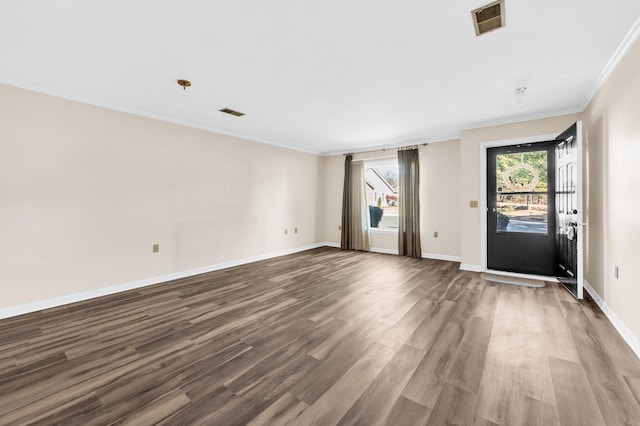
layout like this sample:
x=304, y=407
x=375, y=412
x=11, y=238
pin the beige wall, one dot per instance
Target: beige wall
x=439, y=194
x=330, y=198
x=470, y=175
x=612, y=134
x=86, y=191
x=594, y=199
x=439, y=188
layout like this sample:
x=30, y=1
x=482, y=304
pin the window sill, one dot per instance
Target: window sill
x=383, y=230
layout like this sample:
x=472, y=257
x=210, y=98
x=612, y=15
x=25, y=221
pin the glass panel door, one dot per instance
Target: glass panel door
x=521, y=208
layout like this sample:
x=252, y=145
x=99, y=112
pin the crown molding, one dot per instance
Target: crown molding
x=145, y=114
x=521, y=118
x=628, y=41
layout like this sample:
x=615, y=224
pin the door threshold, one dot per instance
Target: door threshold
x=519, y=275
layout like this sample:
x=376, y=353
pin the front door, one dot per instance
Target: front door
x=521, y=218
x=568, y=210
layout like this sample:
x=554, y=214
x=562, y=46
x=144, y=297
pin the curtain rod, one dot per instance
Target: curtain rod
x=396, y=148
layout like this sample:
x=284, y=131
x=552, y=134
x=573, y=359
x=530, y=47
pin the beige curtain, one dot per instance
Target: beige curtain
x=355, y=212
x=409, y=203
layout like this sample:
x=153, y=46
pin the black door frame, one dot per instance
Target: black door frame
x=483, y=206
x=484, y=147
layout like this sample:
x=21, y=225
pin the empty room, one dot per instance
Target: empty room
x=319, y=213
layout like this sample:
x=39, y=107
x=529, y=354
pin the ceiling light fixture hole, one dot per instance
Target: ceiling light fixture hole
x=184, y=84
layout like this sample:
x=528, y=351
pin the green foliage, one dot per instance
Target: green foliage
x=537, y=159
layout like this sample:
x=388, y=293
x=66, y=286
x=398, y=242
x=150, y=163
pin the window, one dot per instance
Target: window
x=381, y=178
x=521, y=192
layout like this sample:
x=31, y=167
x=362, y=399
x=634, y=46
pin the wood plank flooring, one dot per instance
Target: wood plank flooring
x=321, y=337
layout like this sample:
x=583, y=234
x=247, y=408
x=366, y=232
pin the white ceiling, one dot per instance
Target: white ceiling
x=322, y=76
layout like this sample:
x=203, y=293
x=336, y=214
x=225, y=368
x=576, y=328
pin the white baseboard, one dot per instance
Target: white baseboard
x=472, y=268
x=92, y=294
x=441, y=257
x=330, y=244
x=395, y=251
x=594, y=295
x=627, y=335
x=383, y=250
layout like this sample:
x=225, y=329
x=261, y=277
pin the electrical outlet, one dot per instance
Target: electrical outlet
x=295, y=230
x=286, y=232
x=339, y=227
x=156, y=248
x=616, y=272
x=435, y=234
x=473, y=204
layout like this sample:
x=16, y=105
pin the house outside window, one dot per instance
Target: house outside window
x=381, y=179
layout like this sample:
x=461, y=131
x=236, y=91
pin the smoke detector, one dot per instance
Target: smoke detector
x=520, y=96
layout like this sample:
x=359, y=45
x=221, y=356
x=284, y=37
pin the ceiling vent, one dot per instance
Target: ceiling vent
x=232, y=112
x=489, y=17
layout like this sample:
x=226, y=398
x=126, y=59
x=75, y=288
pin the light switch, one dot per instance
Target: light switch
x=473, y=204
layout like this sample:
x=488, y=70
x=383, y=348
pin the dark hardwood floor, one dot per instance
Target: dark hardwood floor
x=321, y=337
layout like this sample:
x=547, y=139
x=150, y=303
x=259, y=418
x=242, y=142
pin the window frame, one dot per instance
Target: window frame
x=374, y=163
